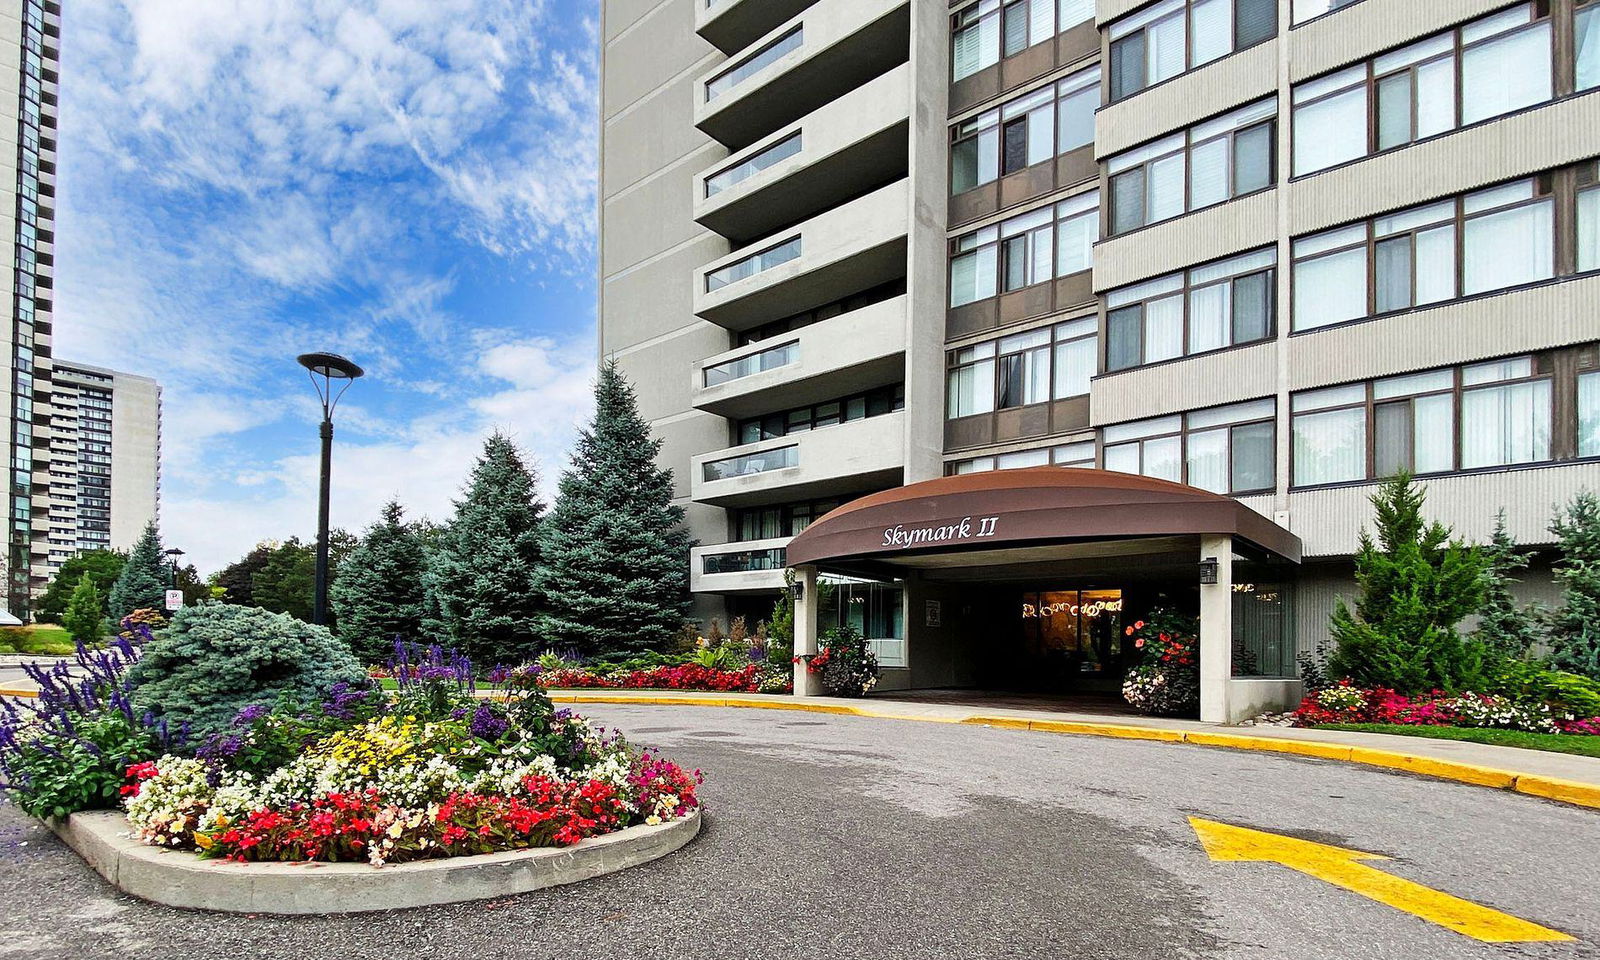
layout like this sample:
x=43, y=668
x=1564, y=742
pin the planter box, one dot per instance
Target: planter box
x=178, y=878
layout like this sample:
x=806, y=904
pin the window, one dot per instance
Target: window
x=783, y=520
x=1484, y=415
x=1024, y=250
x=1074, y=358
x=1589, y=228
x=1022, y=369
x=1486, y=68
x=755, y=63
x=1208, y=164
x=753, y=264
x=1505, y=414
x=984, y=32
x=1205, y=308
x=1409, y=258
x=1168, y=38
x=1589, y=414
x=1225, y=449
x=782, y=150
x=1030, y=130
x=1588, y=46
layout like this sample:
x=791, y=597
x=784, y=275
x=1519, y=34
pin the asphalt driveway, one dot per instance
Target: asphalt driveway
x=832, y=836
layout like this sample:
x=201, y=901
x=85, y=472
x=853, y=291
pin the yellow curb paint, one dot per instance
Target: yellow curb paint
x=1567, y=791
x=29, y=694
x=1343, y=868
x=1301, y=748
x=1580, y=794
x=1440, y=769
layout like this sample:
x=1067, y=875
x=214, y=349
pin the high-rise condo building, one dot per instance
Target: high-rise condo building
x=105, y=461
x=30, y=32
x=1061, y=312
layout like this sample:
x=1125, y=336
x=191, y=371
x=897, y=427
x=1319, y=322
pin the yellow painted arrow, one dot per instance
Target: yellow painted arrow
x=1343, y=868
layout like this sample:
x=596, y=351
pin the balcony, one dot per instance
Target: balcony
x=732, y=25
x=827, y=462
x=754, y=566
x=829, y=50
x=844, y=251
x=845, y=149
x=847, y=354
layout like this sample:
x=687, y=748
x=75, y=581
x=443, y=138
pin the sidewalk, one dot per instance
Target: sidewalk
x=1556, y=776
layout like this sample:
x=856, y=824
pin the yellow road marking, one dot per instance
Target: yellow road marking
x=1343, y=868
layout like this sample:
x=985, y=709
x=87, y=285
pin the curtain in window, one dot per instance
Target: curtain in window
x=1127, y=65
x=1074, y=12
x=1209, y=315
x=1330, y=447
x=1213, y=30
x=1074, y=368
x=1330, y=289
x=964, y=166
x=1036, y=376
x=1330, y=131
x=1257, y=22
x=1252, y=159
x=1016, y=262
x=1124, y=338
x=1016, y=26
x=1075, y=243
x=1435, y=256
x=1251, y=447
x=1252, y=307
x=1163, y=459
x=1394, y=110
x=964, y=60
x=1505, y=424
x=1589, y=230
x=1393, y=265
x=1589, y=47
x=1077, y=118
x=1040, y=250
x=1165, y=42
x=1506, y=74
x=1127, y=201
x=1208, y=460
x=1436, y=97
x=1163, y=329
x=1509, y=248
x=1042, y=21
x=1165, y=191
x=1589, y=415
x=1208, y=173
x=1041, y=134
x=1435, y=433
x=972, y=276
x=1123, y=458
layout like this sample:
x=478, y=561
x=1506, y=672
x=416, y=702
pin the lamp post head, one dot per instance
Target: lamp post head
x=174, y=553
x=329, y=367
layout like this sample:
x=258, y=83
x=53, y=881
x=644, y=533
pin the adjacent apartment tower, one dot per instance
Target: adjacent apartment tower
x=1275, y=249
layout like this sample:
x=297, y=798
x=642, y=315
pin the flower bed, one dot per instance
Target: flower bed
x=432, y=772
x=1166, y=681
x=1345, y=703
x=752, y=678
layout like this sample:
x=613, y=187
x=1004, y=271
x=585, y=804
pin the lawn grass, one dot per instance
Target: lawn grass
x=1583, y=746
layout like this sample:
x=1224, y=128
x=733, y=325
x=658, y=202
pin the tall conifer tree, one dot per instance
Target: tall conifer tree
x=1508, y=629
x=143, y=583
x=616, y=556
x=378, y=593
x=1575, y=627
x=481, y=593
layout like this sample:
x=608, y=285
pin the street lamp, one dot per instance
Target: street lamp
x=172, y=558
x=325, y=369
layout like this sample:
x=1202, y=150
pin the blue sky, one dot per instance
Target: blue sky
x=408, y=182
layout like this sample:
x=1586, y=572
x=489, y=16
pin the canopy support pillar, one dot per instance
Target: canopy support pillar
x=1216, y=628
x=806, y=612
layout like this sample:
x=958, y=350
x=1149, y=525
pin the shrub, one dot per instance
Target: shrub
x=215, y=659
x=1575, y=626
x=1563, y=693
x=1416, y=585
x=846, y=666
x=85, y=615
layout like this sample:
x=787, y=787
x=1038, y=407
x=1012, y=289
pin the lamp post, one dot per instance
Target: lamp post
x=325, y=368
x=172, y=559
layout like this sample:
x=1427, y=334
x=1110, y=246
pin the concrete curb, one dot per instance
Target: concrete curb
x=177, y=878
x=1549, y=788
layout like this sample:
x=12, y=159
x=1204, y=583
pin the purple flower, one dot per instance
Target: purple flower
x=487, y=724
x=249, y=715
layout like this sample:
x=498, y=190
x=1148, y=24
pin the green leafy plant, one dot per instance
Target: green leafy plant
x=85, y=617
x=844, y=664
x=103, y=566
x=1416, y=584
x=1533, y=683
x=83, y=771
x=1166, y=681
x=1575, y=625
x=215, y=659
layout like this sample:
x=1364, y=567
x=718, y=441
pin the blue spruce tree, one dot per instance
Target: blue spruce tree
x=616, y=574
x=378, y=594
x=143, y=583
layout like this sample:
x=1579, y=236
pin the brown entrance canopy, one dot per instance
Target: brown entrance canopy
x=1029, y=507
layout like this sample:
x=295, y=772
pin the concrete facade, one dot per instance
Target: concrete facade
x=105, y=460
x=817, y=167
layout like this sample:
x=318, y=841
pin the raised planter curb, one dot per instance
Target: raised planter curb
x=1550, y=788
x=178, y=878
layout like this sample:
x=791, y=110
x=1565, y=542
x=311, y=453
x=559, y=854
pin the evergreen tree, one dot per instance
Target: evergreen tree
x=481, y=596
x=143, y=583
x=102, y=566
x=378, y=594
x=616, y=572
x=237, y=579
x=85, y=616
x=1507, y=629
x=1575, y=627
x=1416, y=584
x=286, y=581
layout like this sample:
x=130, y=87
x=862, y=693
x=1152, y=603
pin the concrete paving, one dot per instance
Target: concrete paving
x=838, y=836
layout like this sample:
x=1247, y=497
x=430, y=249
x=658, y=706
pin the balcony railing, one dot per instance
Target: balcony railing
x=769, y=359
x=744, y=561
x=764, y=461
x=755, y=63
x=739, y=173
x=753, y=264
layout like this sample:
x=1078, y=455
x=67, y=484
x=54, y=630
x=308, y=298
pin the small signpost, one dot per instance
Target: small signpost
x=174, y=600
